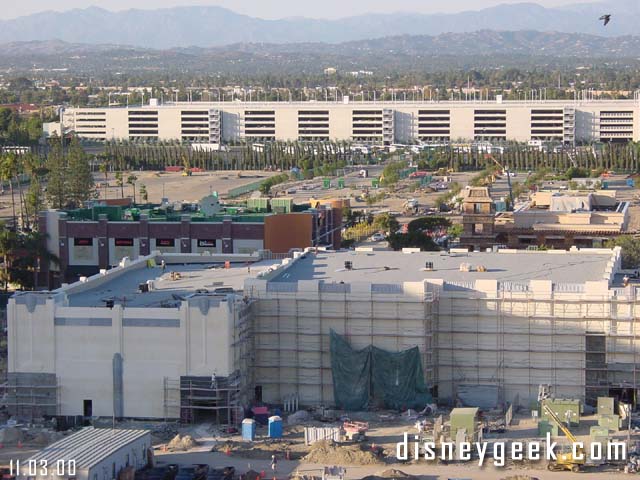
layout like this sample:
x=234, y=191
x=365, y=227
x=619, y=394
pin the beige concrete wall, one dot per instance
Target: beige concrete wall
x=155, y=343
x=340, y=117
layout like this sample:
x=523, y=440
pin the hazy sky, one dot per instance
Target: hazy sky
x=271, y=8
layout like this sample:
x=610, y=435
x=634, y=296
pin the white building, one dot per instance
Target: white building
x=511, y=320
x=91, y=454
x=380, y=122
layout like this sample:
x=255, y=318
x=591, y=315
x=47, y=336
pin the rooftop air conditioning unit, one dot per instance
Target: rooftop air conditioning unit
x=348, y=265
x=428, y=266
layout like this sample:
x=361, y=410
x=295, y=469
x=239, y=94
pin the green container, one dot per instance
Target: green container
x=375, y=182
x=545, y=427
x=597, y=431
x=611, y=422
x=560, y=407
x=258, y=204
x=463, y=418
x=282, y=205
x=606, y=406
x=341, y=183
x=326, y=183
x=114, y=214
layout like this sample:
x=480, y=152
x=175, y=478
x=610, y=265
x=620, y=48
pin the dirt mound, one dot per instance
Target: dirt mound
x=393, y=473
x=255, y=450
x=330, y=454
x=301, y=416
x=180, y=442
x=11, y=436
x=390, y=473
x=45, y=438
x=520, y=477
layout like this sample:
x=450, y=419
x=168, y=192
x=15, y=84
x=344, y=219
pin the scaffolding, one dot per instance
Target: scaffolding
x=292, y=328
x=30, y=396
x=196, y=399
x=213, y=398
x=584, y=345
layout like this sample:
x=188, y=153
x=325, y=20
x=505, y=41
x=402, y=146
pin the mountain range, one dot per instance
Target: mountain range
x=210, y=26
x=484, y=48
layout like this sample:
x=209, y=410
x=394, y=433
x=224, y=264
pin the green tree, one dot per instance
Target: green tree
x=8, y=169
x=131, y=180
x=630, y=250
x=386, y=222
x=79, y=181
x=56, y=177
x=120, y=183
x=144, y=195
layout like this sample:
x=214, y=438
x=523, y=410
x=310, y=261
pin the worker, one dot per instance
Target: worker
x=274, y=462
x=163, y=264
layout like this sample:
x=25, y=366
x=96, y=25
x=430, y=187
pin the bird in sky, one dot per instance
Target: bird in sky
x=606, y=18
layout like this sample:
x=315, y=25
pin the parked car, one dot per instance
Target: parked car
x=377, y=237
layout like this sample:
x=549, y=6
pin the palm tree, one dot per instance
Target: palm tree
x=7, y=171
x=8, y=243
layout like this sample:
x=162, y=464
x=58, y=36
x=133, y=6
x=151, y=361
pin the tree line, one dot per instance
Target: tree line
x=310, y=158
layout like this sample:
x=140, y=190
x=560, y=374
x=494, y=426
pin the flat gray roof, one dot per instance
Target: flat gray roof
x=403, y=267
x=124, y=288
x=89, y=446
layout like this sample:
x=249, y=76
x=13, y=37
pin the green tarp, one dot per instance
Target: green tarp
x=374, y=377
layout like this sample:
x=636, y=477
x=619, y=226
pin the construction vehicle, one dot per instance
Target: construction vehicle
x=355, y=431
x=566, y=460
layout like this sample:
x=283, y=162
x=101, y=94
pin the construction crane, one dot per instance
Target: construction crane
x=565, y=461
x=488, y=156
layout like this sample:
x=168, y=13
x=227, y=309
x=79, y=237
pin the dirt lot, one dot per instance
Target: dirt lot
x=386, y=429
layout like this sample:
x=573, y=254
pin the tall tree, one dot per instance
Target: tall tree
x=56, y=178
x=80, y=183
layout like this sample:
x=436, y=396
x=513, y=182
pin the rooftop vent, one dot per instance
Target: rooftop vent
x=428, y=266
x=348, y=265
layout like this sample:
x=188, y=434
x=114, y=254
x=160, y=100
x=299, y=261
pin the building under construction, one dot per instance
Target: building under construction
x=386, y=328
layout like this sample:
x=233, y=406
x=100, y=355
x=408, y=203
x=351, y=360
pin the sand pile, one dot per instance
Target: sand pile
x=390, y=473
x=330, y=454
x=182, y=442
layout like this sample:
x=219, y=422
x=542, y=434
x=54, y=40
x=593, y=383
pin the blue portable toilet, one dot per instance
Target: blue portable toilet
x=249, y=429
x=275, y=427
x=631, y=182
x=605, y=185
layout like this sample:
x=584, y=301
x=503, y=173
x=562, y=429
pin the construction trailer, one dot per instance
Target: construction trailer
x=92, y=453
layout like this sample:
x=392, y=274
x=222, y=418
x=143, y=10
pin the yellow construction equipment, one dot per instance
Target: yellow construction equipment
x=566, y=460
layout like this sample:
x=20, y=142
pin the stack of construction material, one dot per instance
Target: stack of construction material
x=568, y=410
x=464, y=419
x=607, y=418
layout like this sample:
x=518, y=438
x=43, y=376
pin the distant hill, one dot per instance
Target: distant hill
x=483, y=49
x=215, y=26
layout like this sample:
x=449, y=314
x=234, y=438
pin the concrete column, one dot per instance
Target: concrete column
x=103, y=241
x=145, y=247
x=185, y=234
x=63, y=246
x=227, y=238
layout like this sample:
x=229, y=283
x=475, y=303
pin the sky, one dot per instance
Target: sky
x=273, y=8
